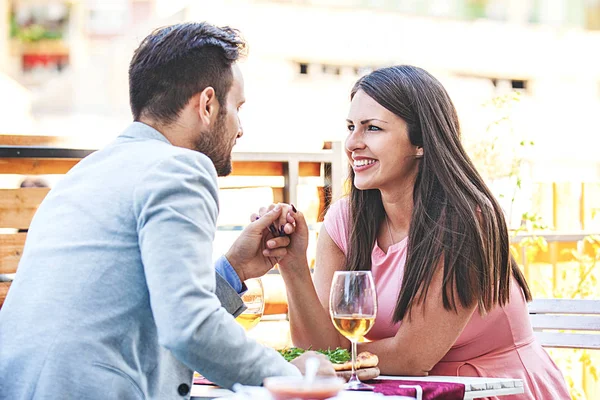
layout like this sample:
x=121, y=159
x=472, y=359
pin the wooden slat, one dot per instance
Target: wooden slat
x=564, y=306
x=35, y=140
x=252, y=168
x=3, y=291
x=273, y=168
x=565, y=322
x=278, y=195
x=36, y=166
x=309, y=169
x=11, y=248
x=17, y=206
x=568, y=340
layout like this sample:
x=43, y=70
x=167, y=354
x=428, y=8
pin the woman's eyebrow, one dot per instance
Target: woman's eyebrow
x=366, y=121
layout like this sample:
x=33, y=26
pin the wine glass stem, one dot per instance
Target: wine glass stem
x=354, y=378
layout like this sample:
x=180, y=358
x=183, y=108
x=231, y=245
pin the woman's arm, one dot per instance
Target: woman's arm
x=424, y=337
x=422, y=340
x=308, y=303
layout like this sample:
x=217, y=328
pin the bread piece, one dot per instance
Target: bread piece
x=367, y=360
x=364, y=374
x=363, y=360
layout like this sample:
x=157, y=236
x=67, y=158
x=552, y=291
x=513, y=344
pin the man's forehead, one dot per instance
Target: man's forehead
x=238, y=77
x=237, y=86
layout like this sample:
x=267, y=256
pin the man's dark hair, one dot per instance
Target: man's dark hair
x=175, y=62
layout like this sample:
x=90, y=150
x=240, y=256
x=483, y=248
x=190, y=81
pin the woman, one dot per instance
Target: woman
x=452, y=301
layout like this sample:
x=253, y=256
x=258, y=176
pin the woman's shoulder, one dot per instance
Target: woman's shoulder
x=336, y=222
x=339, y=206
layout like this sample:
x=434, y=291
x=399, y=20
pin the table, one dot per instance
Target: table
x=475, y=388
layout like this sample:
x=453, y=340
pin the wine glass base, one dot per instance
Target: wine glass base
x=358, y=386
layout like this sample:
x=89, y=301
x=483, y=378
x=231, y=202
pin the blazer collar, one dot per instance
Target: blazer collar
x=139, y=130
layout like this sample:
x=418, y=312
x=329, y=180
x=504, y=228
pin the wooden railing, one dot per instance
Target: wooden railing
x=45, y=155
x=560, y=245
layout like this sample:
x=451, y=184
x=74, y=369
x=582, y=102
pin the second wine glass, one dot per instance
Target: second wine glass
x=254, y=299
x=353, y=308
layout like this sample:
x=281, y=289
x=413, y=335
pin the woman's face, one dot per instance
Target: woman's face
x=378, y=147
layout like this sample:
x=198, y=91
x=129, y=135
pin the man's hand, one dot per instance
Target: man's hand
x=246, y=255
x=293, y=224
x=325, y=366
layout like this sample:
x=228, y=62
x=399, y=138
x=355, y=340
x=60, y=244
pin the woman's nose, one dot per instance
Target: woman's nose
x=354, y=142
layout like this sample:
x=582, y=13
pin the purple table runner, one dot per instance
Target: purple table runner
x=392, y=387
x=431, y=390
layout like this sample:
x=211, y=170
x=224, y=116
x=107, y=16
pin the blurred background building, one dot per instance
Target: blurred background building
x=64, y=72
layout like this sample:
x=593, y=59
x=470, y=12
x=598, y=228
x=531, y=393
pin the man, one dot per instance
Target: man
x=115, y=297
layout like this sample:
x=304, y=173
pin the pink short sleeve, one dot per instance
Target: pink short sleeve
x=336, y=223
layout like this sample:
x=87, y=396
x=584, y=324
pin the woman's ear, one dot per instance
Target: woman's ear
x=419, y=152
x=208, y=105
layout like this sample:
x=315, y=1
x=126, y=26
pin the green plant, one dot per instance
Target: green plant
x=499, y=154
x=33, y=33
x=476, y=8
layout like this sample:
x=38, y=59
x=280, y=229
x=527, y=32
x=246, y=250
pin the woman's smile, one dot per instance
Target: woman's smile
x=362, y=164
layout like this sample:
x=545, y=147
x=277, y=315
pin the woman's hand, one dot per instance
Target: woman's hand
x=291, y=223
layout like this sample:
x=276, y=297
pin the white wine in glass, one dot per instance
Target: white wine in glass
x=254, y=299
x=354, y=326
x=353, y=308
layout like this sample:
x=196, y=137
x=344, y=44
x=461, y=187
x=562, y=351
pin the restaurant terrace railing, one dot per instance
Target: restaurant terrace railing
x=50, y=155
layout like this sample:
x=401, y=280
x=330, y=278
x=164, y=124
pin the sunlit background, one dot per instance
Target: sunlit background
x=523, y=74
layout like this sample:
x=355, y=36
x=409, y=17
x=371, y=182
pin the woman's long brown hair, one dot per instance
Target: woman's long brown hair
x=455, y=218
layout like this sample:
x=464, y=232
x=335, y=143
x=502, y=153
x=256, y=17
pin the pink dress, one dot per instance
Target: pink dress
x=499, y=344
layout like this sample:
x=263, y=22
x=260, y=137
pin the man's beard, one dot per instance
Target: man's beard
x=216, y=146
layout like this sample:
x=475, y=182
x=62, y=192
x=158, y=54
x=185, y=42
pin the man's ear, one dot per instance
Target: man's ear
x=208, y=105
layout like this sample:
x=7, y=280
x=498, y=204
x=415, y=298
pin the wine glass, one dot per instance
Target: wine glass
x=353, y=307
x=254, y=298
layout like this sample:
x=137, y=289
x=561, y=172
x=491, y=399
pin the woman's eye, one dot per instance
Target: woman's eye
x=373, y=128
x=351, y=128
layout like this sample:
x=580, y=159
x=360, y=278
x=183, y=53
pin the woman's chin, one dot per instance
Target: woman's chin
x=363, y=185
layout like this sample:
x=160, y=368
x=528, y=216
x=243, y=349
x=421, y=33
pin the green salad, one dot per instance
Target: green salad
x=337, y=356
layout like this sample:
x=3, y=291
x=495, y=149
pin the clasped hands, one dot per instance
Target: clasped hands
x=277, y=234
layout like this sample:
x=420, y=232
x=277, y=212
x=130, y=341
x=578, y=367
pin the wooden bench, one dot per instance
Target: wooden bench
x=44, y=155
x=566, y=323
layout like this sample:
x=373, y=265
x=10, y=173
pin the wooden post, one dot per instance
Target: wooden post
x=291, y=173
x=553, y=248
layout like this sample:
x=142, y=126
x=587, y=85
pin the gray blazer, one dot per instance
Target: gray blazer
x=114, y=297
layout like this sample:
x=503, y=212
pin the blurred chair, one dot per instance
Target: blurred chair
x=17, y=207
x=566, y=323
